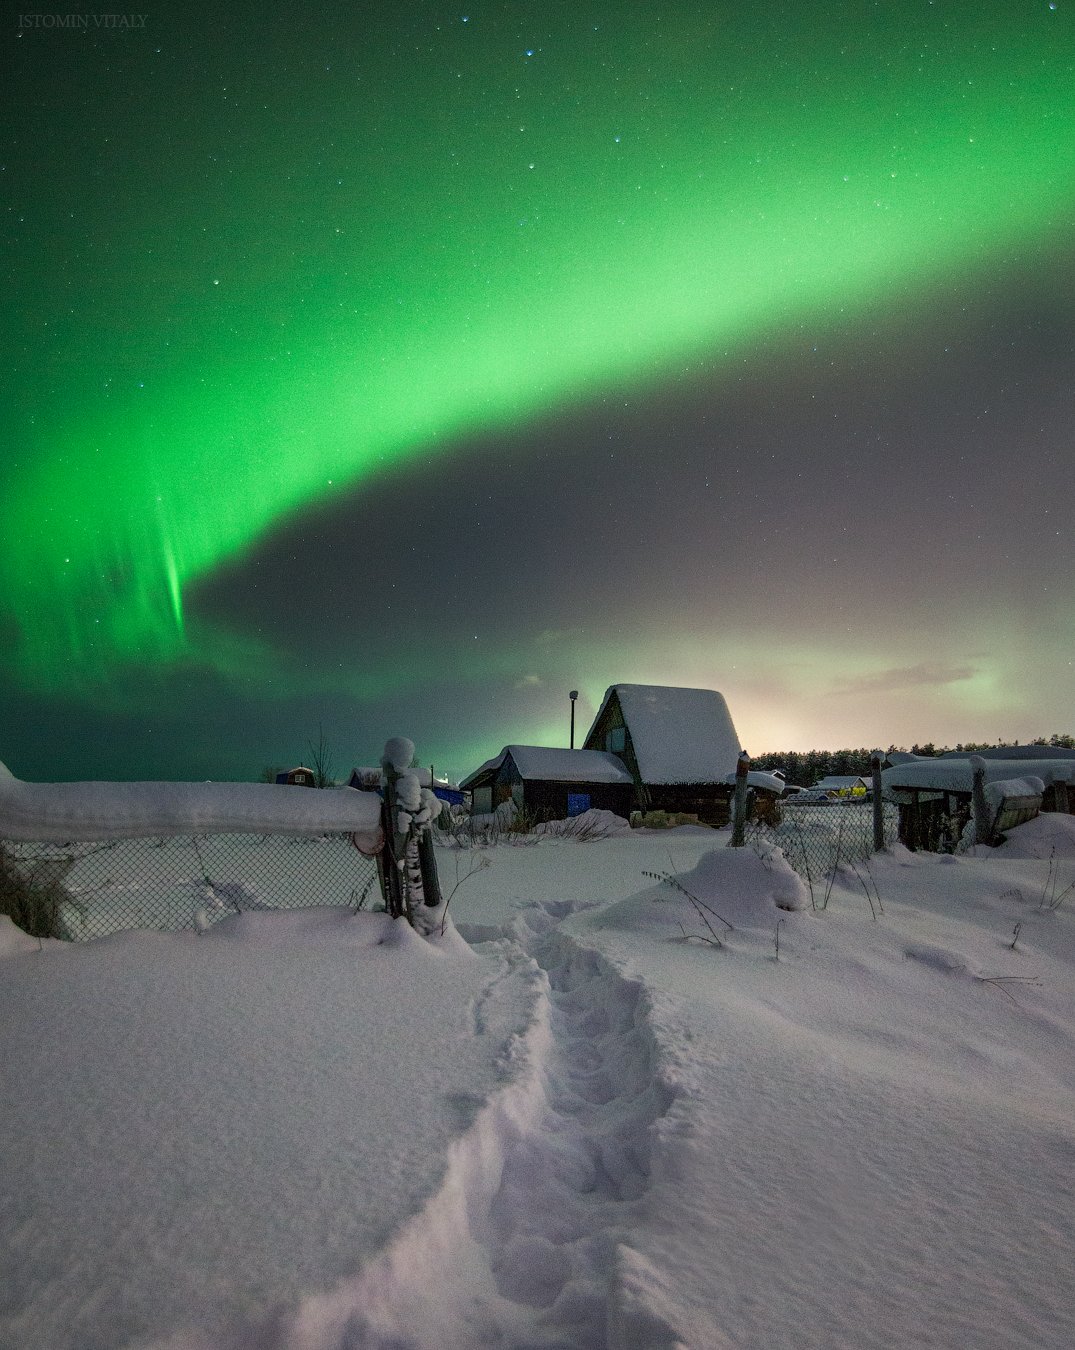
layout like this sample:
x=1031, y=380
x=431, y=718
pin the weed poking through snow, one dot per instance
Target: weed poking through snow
x=700, y=907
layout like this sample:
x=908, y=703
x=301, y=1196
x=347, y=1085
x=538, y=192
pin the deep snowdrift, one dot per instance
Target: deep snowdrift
x=315, y=1131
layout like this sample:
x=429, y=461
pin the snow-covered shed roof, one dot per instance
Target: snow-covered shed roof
x=556, y=765
x=839, y=781
x=59, y=812
x=759, y=778
x=957, y=775
x=679, y=735
x=1015, y=752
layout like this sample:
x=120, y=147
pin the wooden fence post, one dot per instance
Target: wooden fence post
x=428, y=864
x=983, y=817
x=396, y=846
x=739, y=801
x=1060, y=791
x=878, y=804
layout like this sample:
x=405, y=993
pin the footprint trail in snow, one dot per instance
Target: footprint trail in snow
x=527, y=1242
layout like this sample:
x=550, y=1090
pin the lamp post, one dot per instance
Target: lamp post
x=573, y=696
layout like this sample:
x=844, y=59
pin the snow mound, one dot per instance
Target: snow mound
x=13, y=940
x=743, y=889
x=1050, y=834
x=595, y=823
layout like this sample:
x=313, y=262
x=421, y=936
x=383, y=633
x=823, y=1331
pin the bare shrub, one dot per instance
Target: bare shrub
x=33, y=902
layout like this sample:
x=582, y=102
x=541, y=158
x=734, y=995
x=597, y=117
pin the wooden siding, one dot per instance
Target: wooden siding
x=610, y=719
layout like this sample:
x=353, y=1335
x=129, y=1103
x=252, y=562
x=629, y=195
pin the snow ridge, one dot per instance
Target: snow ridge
x=526, y=1243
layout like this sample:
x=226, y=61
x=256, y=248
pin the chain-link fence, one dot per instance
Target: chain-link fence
x=88, y=890
x=817, y=836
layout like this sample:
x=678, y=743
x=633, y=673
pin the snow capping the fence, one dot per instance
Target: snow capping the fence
x=65, y=812
x=957, y=775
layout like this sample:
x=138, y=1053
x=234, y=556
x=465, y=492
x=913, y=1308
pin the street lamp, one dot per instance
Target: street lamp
x=573, y=696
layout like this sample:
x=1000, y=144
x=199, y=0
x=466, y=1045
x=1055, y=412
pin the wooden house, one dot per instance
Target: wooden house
x=550, y=783
x=678, y=745
x=300, y=776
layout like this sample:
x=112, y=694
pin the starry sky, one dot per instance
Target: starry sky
x=394, y=369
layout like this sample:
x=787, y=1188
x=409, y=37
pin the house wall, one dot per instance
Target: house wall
x=612, y=718
x=710, y=802
x=549, y=799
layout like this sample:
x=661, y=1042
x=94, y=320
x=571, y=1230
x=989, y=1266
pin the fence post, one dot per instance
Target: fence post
x=428, y=864
x=983, y=820
x=395, y=843
x=878, y=804
x=739, y=801
x=1060, y=791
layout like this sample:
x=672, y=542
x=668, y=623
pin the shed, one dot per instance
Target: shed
x=934, y=795
x=551, y=783
x=679, y=746
x=300, y=776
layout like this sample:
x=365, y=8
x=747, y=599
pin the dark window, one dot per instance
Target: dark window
x=616, y=740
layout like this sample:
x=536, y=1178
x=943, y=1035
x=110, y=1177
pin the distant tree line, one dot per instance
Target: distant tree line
x=806, y=767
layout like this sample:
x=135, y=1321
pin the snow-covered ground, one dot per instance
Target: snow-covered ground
x=587, y=1125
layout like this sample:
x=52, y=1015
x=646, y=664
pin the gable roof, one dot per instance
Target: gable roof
x=557, y=765
x=679, y=735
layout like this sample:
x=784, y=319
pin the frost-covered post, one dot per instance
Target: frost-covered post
x=983, y=817
x=739, y=801
x=427, y=865
x=878, y=805
x=395, y=841
x=410, y=811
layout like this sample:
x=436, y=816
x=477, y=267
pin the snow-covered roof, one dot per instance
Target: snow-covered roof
x=995, y=792
x=957, y=775
x=839, y=781
x=679, y=735
x=1015, y=752
x=554, y=764
x=370, y=775
x=59, y=812
x=758, y=778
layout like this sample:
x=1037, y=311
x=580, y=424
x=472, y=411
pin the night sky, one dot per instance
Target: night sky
x=394, y=369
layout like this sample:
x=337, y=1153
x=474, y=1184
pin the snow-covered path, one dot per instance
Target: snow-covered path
x=521, y=1247
x=573, y=1180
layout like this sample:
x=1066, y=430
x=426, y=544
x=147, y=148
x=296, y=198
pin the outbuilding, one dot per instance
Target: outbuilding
x=550, y=783
x=934, y=795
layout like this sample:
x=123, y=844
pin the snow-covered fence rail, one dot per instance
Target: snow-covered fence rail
x=816, y=837
x=82, y=860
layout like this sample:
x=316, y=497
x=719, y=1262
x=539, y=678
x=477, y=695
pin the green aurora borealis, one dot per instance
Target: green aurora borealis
x=260, y=265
